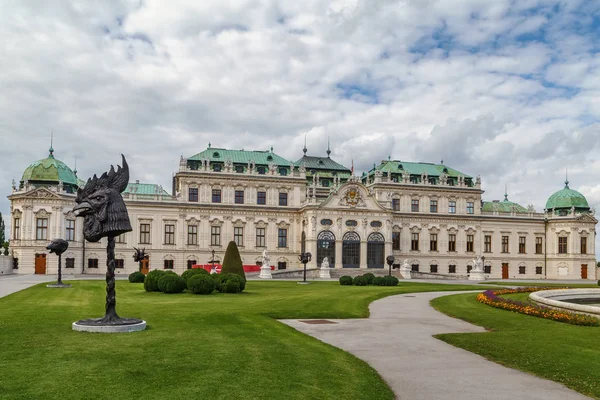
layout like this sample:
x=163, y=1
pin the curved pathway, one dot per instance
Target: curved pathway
x=397, y=341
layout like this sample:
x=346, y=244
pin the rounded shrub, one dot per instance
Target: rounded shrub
x=359, y=281
x=171, y=283
x=137, y=277
x=231, y=283
x=346, y=280
x=201, y=284
x=369, y=277
x=217, y=280
x=390, y=280
x=191, y=272
x=151, y=281
x=379, y=281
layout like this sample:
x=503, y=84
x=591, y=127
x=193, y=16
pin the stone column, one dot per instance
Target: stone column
x=338, y=254
x=363, y=254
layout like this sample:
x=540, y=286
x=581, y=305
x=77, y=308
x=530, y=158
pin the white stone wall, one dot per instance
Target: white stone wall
x=6, y=265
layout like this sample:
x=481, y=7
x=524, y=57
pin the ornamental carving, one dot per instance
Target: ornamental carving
x=352, y=198
x=42, y=213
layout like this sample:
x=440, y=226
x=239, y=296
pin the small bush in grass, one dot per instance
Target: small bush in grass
x=171, y=283
x=379, y=281
x=346, y=280
x=359, y=281
x=222, y=279
x=201, y=284
x=390, y=280
x=151, y=281
x=137, y=277
x=369, y=277
x=191, y=272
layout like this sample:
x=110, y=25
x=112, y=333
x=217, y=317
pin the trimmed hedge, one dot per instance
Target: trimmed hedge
x=391, y=280
x=232, y=261
x=230, y=283
x=379, y=281
x=359, y=281
x=137, y=277
x=369, y=277
x=191, y=272
x=346, y=280
x=201, y=284
x=171, y=283
x=151, y=281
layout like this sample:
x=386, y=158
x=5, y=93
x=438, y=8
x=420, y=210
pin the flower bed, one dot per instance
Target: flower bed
x=492, y=298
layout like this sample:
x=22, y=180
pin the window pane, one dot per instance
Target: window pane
x=261, y=198
x=260, y=237
x=216, y=195
x=282, y=238
x=193, y=194
x=283, y=198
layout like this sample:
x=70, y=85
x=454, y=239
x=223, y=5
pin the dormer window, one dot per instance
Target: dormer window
x=239, y=169
x=445, y=170
x=269, y=158
x=283, y=171
x=321, y=162
x=216, y=154
x=400, y=166
x=261, y=170
x=217, y=167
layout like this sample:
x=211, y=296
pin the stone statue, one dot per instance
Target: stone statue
x=265, y=269
x=477, y=264
x=477, y=273
x=324, y=271
x=265, y=257
x=405, y=269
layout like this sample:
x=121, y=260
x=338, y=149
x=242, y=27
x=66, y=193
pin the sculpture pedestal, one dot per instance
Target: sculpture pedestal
x=405, y=272
x=324, y=273
x=121, y=326
x=59, y=285
x=265, y=272
x=477, y=276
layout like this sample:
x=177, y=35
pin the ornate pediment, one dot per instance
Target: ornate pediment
x=352, y=197
x=42, y=193
x=586, y=218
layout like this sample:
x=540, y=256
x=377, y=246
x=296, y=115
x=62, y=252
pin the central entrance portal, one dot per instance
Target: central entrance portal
x=326, y=248
x=375, y=250
x=40, y=264
x=351, y=250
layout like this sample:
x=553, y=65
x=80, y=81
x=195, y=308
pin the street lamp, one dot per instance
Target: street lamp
x=304, y=259
x=390, y=261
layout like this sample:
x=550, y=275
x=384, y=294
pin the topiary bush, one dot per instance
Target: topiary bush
x=201, y=284
x=379, y=281
x=217, y=280
x=232, y=261
x=151, y=280
x=346, y=280
x=369, y=277
x=137, y=277
x=191, y=272
x=390, y=280
x=171, y=283
x=359, y=281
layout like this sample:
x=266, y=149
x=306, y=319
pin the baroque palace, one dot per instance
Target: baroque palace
x=429, y=214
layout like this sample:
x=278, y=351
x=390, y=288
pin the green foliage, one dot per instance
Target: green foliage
x=390, y=280
x=191, y=272
x=369, y=277
x=359, y=281
x=2, y=235
x=217, y=279
x=137, y=277
x=379, y=281
x=151, y=281
x=171, y=283
x=201, y=284
x=230, y=283
x=232, y=262
x=346, y=280
x=5, y=248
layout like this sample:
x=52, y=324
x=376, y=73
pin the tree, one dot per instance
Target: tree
x=232, y=262
x=2, y=235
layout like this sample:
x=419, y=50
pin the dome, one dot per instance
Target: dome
x=566, y=199
x=50, y=171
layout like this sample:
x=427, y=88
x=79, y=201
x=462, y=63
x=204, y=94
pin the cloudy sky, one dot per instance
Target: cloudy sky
x=507, y=89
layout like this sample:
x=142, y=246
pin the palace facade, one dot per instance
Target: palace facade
x=429, y=214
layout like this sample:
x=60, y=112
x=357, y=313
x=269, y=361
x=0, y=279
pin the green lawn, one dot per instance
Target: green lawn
x=561, y=352
x=544, y=284
x=207, y=347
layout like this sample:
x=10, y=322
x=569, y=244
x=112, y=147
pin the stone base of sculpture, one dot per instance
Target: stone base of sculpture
x=120, y=325
x=59, y=285
x=324, y=273
x=265, y=272
x=405, y=272
x=477, y=276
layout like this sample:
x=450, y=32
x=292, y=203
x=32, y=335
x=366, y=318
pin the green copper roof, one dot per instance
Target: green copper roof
x=145, y=188
x=503, y=206
x=321, y=163
x=417, y=168
x=566, y=199
x=241, y=156
x=50, y=170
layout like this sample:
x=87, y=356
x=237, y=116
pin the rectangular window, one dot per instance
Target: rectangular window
x=145, y=233
x=487, y=269
x=469, y=268
x=193, y=194
x=395, y=240
x=396, y=204
x=41, y=232
x=470, y=242
x=487, y=244
x=261, y=170
x=562, y=245
x=433, y=242
x=281, y=265
x=433, y=206
x=193, y=234
x=283, y=199
x=70, y=236
x=168, y=264
x=92, y=263
x=120, y=238
x=583, y=245
x=170, y=234
x=414, y=267
x=70, y=263
x=539, y=242
x=215, y=235
x=216, y=195
x=261, y=198
x=452, y=242
x=17, y=229
x=238, y=236
x=522, y=270
x=414, y=242
x=191, y=263
x=119, y=263
x=239, y=197
x=282, y=237
x=470, y=207
x=414, y=205
x=260, y=237
x=217, y=167
x=505, y=244
x=451, y=269
x=452, y=207
x=522, y=242
x=283, y=171
x=433, y=269
x=539, y=270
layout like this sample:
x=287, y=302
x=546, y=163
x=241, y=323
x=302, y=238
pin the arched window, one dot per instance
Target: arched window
x=375, y=250
x=326, y=248
x=351, y=250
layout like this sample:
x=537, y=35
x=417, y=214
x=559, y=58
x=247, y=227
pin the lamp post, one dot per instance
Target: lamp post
x=304, y=259
x=390, y=261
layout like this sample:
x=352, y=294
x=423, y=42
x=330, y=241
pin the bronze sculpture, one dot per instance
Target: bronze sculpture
x=58, y=247
x=139, y=256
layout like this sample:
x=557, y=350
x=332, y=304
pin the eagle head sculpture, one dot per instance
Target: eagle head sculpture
x=102, y=206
